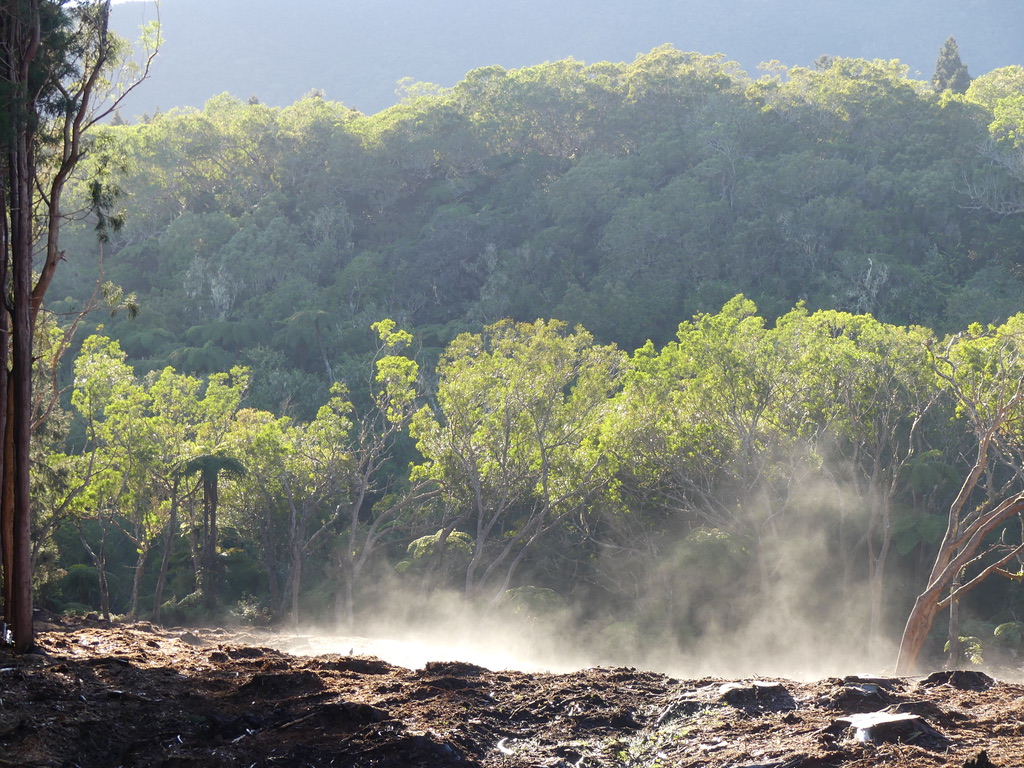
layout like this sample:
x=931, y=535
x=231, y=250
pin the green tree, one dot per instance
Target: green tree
x=983, y=372
x=293, y=496
x=511, y=445
x=759, y=432
x=211, y=467
x=990, y=88
x=143, y=439
x=102, y=379
x=873, y=393
x=378, y=492
x=56, y=61
x=950, y=72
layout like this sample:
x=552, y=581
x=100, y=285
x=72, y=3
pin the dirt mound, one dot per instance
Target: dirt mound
x=136, y=695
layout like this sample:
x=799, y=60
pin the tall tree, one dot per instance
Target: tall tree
x=210, y=467
x=983, y=370
x=950, y=72
x=512, y=448
x=55, y=56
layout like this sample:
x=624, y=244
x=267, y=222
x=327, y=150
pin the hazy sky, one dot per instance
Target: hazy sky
x=358, y=50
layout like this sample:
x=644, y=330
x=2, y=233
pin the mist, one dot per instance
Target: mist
x=701, y=611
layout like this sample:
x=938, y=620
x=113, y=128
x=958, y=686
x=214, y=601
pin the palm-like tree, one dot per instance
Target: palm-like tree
x=210, y=467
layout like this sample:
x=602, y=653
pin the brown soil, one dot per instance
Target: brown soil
x=137, y=695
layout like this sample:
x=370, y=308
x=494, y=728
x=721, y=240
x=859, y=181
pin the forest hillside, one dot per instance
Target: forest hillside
x=677, y=352
x=623, y=197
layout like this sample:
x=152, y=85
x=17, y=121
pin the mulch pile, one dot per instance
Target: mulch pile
x=138, y=695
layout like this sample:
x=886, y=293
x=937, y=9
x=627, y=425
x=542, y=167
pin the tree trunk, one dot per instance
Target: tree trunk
x=915, y=633
x=955, y=647
x=32, y=195
x=7, y=489
x=270, y=568
x=20, y=574
x=195, y=546
x=99, y=561
x=165, y=561
x=209, y=585
x=348, y=608
x=140, y=567
x=296, y=534
x=295, y=579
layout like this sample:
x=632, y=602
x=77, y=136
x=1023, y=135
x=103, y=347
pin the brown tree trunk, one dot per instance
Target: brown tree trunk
x=24, y=186
x=958, y=549
x=295, y=579
x=20, y=573
x=915, y=634
x=7, y=487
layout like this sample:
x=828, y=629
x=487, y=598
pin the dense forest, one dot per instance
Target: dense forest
x=742, y=397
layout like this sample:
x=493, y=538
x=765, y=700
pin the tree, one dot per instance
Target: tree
x=950, y=72
x=55, y=57
x=877, y=392
x=512, y=446
x=210, y=467
x=983, y=371
x=297, y=482
x=329, y=483
x=145, y=436
x=771, y=435
x=377, y=493
x=1000, y=83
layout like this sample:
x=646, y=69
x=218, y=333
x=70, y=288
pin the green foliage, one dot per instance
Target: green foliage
x=533, y=602
x=553, y=191
x=950, y=72
x=189, y=611
x=913, y=529
x=1010, y=635
x=972, y=649
x=452, y=551
x=80, y=586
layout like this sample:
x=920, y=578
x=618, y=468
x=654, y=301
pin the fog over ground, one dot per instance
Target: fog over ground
x=778, y=639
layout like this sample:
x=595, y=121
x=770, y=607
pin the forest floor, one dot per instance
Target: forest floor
x=100, y=694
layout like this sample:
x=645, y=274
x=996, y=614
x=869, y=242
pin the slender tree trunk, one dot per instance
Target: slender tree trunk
x=270, y=567
x=24, y=95
x=296, y=534
x=296, y=585
x=165, y=561
x=140, y=567
x=348, y=605
x=955, y=647
x=196, y=537
x=6, y=409
x=99, y=560
x=7, y=490
x=21, y=386
x=210, y=546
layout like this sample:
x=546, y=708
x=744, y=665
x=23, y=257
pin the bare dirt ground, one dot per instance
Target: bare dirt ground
x=138, y=695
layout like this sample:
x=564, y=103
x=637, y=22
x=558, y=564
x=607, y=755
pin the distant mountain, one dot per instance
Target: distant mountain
x=356, y=51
